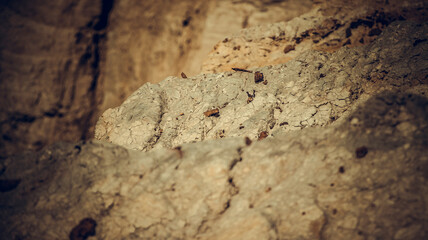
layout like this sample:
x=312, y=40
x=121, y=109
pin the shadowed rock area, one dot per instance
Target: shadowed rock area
x=326, y=146
x=50, y=60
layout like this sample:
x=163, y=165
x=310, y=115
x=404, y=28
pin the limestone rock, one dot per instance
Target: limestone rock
x=151, y=40
x=326, y=146
x=313, y=90
x=365, y=178
x=328, y=27
x=64, y=63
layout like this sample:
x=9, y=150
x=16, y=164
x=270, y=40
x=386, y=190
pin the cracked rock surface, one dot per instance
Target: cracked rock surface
x=313, y=90
x=362, y=179
x=344, y=158
x=327, y=27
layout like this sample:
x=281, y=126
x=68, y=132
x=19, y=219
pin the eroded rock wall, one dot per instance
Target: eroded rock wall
x=362, y=179
x=327, y=27
x=313, y=90
x=354, y=170
x=326, y=146
x=62, y=64
x=50, y=63
x=151, y=40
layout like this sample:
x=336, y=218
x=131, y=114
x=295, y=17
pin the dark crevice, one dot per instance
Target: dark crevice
x=417, y=41
x=107, y=6
x=94, y=35
x=226, y=206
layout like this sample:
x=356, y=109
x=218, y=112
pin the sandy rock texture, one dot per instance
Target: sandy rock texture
x=365, y=178
x=330, y=145
x=151, y=40
x=329, y=26
x=226, y=17
x=62, y=64
x=313, y=90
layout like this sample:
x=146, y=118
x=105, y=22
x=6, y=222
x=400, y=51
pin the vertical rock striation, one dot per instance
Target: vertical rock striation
x=50, y=58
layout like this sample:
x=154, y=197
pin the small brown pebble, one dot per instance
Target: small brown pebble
x=263, y=135
x=214, y=112
x=84, y=229
x=283, y=123
x=248, y=141
x=183, y=75
x=341, y=169
x=361, y=152
x=265, y=82
x=289, y=48
x=258, y=77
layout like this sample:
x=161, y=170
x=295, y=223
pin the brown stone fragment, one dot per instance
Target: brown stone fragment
x=248, y=141
x=258, y=77
x=263, y=135
x=183, y=75
x=289, y=48
x=214, y=112
x=361, y=152
x=84, y=229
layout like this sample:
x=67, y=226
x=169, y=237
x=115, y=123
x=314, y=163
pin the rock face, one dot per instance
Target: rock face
x=315, y=89
x=62, y=64
x=344, y=155
x=50, y=62
x=151, y=40
x=328, y=27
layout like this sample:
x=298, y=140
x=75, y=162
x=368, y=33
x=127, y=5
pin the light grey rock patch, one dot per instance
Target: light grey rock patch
x=313, y=90
x=364, y=178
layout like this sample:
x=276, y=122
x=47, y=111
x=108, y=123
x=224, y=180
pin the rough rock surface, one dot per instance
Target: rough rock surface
x=314, y=89
x=62, y=64
x=50, y=62
x=328, y=27
x=225, y=17
x=344, y=158
x=151, y=40
x=365, y=178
